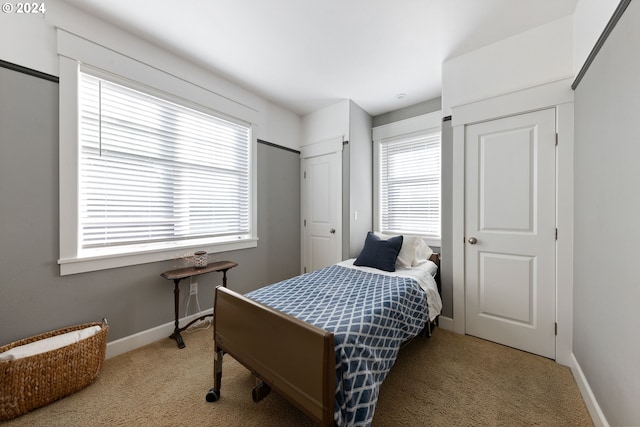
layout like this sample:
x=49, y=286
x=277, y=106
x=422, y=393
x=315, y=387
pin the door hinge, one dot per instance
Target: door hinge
x=305, y=222
x=305, y=269
x=556, y=328
x=304, y=174
x=556, y=234
x=556, y=138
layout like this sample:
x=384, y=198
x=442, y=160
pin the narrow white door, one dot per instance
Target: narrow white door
x=510, y=229
x=322, y=198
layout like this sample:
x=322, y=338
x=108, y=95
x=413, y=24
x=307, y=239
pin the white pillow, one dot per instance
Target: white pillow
x=48, y=344
x=414, y=250
x=422, y=253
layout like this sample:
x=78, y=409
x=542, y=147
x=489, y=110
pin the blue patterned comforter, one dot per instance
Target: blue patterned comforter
x=370, y=315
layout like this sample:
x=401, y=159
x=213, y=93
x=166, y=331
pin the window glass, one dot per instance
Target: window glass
x=154, y=171
x=409, y=184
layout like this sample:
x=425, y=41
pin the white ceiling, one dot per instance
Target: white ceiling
x=305, y=54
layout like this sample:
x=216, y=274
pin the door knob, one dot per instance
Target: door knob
x=332, y=231
x=473, y=240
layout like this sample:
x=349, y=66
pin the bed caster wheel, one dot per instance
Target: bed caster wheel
x=213, y=395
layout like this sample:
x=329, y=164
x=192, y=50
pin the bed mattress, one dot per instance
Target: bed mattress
x=370, y=315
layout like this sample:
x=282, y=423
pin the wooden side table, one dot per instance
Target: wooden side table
x=183, y=273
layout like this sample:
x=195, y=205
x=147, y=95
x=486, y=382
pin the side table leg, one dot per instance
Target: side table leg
x=176, y=297
x=224, y=277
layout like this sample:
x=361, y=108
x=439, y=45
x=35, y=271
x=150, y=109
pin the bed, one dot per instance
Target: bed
x=326, y=340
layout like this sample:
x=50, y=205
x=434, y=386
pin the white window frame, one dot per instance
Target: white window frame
x=426, y=123
x=76, y=52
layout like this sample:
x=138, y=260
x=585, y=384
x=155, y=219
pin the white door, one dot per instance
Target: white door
x=510, y=231
x=322, y=199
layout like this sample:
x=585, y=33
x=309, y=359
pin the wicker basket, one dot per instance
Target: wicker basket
x=35, y=381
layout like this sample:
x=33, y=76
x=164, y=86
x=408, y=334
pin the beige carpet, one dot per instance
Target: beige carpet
x=448, y=380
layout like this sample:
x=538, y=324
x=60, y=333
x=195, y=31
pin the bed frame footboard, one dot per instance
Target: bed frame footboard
x=293, y=357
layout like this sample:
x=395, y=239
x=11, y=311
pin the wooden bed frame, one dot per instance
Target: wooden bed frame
x=284, y=353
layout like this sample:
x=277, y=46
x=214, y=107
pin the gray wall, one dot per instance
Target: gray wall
x=34, y=297
x=607, y=224
x=446, y=211
x=357, y=182
x=360, y=179
x=425, y=107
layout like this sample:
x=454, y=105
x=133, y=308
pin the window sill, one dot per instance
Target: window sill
x=84, y=264
x=432, y=241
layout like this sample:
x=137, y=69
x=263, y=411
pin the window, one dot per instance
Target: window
x=157, y=160
x=157, y=177
x=153, y=171
x=408, y=178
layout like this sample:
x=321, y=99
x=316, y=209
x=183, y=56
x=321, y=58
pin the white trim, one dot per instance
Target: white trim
x=413, y=124
x=132, y=342
x=445, y=323
x=74, y=50
x=457, y=232
x=430, y=122
x=320, y=148
x=376, y=180
x=564, y=244
x=557, y=95
x=597, y=416
x=104, y=58
x=432, y=241
x=521, y=101
x=68, y=149
x=82, y=265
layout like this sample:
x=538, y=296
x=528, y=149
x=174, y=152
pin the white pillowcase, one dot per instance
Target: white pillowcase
x=414, y=250
x=423, y=253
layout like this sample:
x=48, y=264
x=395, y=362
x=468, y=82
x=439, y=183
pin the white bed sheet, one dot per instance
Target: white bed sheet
x=423, y=274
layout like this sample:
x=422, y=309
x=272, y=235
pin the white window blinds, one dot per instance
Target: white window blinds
x=410, y=184
x=156, y=171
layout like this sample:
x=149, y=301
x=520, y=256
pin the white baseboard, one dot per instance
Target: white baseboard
x=149, y=336
x=445, y=323
x=599, y=420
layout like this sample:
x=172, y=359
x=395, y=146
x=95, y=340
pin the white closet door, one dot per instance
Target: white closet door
x=322, y=200
x=510, y=196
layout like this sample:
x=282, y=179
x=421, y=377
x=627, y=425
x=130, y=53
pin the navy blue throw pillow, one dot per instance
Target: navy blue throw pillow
x=378, y=253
